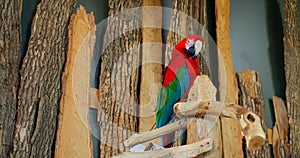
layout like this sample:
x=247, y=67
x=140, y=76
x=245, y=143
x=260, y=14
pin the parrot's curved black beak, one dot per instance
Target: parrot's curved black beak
x=191, y=51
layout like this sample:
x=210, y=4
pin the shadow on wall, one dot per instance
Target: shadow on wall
x=275, y=50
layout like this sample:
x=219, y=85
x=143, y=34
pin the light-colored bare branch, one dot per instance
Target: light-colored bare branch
x=146, y=136
x=190, y=150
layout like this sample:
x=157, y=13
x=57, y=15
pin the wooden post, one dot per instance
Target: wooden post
x=119, y=76
x=199, y=128
x=151, y=72
x=231, y=131
x=250, y=95
x=280, y=129
x=292, y=73
x=40, y=87
x=73, y=133
x=10, y=52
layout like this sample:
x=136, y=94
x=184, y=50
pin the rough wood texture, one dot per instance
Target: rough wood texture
x=119, y=77
x=40, y=87
x=230, y=131
x=249, y=122
x=73, y=123
x=250, y=96
x=150, y=135
x=209, y=127
x=190, y=150
x=10, y=51
x=280, y=129
x=151, y=72
x=186, y=19
x=292, y=74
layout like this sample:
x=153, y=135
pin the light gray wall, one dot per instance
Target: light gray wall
x=256, y=41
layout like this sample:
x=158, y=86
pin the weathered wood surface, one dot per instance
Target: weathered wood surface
x=291, y=43
x=40, y=87
x=151, y=71
x=280, y=129
x=190, y=150
x=209, y=127
x=248, y=122
x=119, y=77
x=156, y=133
x=250, y=96
x=231, y=133
x=10, y=51
x=73, y=137
x=188, y=17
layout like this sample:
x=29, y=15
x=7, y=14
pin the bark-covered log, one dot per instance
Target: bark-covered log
x=185, y=19
x=40, y=87
x=250, y=96
x=10, y=51
x=292, y=72
x=119, y=76
x=73, y=120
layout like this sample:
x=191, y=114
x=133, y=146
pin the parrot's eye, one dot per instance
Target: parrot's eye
x=189, y=41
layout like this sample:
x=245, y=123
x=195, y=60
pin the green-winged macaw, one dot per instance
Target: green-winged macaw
x=179, y=76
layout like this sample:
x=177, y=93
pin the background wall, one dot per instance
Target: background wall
x=257, y=43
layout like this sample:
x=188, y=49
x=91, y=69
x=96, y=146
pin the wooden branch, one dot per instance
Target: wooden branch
x=250, y=122
x=190, y=150
x=146, y=136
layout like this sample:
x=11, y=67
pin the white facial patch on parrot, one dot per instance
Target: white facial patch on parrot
x=198, y=47
x=189, y=43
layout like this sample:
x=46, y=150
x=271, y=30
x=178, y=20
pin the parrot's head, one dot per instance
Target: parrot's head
x=191, y=45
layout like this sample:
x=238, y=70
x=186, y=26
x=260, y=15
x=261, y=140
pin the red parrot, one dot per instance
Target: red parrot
x=179, y=76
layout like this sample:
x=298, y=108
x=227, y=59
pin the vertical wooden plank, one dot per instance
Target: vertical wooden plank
x=73, y=134
x=280, y=129
x=10, y=52
x=231, y=132
x=250, y=96
x=187, y=19
x=40, y=87
x=292, y=73
x=119, y=76
x=151, y=72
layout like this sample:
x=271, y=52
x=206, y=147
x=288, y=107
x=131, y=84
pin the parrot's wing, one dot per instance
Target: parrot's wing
x=170, y=94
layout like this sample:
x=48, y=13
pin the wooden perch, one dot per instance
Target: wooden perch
x=146, y=136
x=190, y=150
x=250, y=122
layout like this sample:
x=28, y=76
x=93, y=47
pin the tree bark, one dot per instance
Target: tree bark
x=119, y=77
x=10, y=51
x=73, y=120
x=292, y=73
x=186, y=19
x=250, y=96
x=40, y=87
